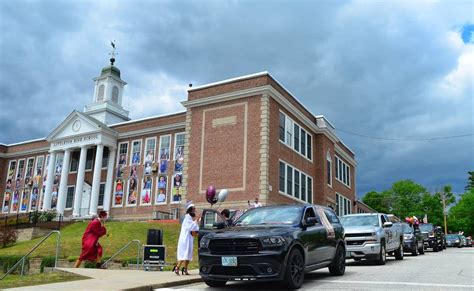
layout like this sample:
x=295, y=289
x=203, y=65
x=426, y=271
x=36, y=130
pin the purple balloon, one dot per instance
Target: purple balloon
x=210, y=195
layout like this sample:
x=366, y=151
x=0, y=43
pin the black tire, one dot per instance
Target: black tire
x=399, y=252
x=294, y=274
x=382, y=255
x=213, y=283
x=435, y=248
x=422, y=250
x=414, y=252
x=338, y=265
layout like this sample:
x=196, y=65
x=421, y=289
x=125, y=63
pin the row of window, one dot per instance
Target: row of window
x=294, y=136
x=343, y=205
x=295, y=183
x=343, y=171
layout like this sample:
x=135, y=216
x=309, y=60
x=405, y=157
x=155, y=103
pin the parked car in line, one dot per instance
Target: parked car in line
x=372, y=236
x=469, y=241
x=433, y=238
x=273, y=243
x=412, y=239
x=453, y=240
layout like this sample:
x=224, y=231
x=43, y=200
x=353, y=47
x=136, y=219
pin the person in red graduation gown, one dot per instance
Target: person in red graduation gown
x=91, y=249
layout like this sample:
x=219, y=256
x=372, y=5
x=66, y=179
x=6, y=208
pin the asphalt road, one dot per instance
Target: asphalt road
x=452, y=269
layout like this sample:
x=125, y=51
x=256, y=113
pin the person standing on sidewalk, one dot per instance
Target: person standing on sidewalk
x=189, y=230
x=91, y=249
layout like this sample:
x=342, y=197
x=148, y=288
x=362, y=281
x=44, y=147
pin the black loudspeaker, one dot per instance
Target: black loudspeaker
x=154, y=237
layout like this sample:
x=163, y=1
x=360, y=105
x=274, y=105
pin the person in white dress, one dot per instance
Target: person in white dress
x=189, y=230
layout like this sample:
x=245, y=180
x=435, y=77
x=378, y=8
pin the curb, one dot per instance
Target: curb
x=165, y=285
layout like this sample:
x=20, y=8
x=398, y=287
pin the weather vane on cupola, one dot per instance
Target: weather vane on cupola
x=112, y=53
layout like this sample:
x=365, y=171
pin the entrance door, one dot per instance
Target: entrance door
x=86, y=200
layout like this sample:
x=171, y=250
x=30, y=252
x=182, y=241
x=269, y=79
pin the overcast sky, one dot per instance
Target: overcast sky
x=399, y=72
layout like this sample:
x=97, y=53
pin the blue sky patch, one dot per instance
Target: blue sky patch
x=467, y=33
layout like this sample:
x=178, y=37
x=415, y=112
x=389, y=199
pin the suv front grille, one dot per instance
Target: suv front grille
x=355, y=242
x=234, y=246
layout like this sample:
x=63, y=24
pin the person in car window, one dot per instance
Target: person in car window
x=226, y=220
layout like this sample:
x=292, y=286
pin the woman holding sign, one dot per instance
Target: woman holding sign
x=189, y=230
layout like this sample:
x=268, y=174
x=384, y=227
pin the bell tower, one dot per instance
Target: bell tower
x=106, y=104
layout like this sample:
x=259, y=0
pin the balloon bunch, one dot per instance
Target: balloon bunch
x=413, y=220
x=211, y=196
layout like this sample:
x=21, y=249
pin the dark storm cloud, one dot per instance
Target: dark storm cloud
x=391, y=70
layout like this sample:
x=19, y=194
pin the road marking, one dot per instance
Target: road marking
x=397, y=283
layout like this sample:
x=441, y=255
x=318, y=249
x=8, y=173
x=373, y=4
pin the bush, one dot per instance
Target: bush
x=90, y=265
x=8, y=236
x=48, y=215
x=35, y=216
x=47, y=262
x=126, y=262
x=6, y=262
x=72, y=258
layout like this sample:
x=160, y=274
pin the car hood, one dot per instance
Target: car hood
x=250, y=232
x=359, y=229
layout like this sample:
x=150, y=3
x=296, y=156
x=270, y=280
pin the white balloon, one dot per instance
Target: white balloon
x=222, y=195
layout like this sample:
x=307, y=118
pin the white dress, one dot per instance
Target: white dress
x=185, y=242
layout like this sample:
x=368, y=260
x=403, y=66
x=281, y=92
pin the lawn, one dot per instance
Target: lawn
x=119, y=233
x=12, y=281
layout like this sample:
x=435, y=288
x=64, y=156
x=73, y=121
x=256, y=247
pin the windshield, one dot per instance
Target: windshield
x=271, y=215
x=452, y=236
x=360, y=220
x=407, y=228
x=426, y=227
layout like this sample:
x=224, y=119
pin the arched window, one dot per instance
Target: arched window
x=100, y=94
x=115, y=93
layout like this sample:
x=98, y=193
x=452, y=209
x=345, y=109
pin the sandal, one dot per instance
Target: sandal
x=184, y=271
x=176, y=270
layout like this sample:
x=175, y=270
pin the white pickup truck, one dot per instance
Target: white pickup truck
x=372, y=236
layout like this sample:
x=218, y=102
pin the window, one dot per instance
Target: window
x=136, y=152
x=295, y=183
x=343, y=205
x=150, y=145
x=89, y=159
x=165, y=147
x=329, y=169
x=74, y=161
x=342, y=171
x=100, y=93
x=39, y=166
x=294, y=136
x=331, y=217
x=69, y=197
x=115, y=94
x=21, y=168
x=179, y=146
x=282, y=177
x=101, y=195
x=105, y=157
x=29, y=168
x=282, y=127
x=122, y=154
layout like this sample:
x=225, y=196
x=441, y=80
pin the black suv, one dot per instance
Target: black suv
x=272, y=243
x=412, y=239
x=433, y=236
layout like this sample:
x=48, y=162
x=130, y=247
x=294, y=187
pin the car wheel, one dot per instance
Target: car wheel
x=399, y=252
x=338, y=265
x=294, y=274
x=213, y=283
x=414, y=252
x=421, y=250
x=382, y=255
x=435, y=248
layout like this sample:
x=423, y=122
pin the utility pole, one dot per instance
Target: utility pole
x=444, y=213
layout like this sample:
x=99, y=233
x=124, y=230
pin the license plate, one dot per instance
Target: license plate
x=229, y=261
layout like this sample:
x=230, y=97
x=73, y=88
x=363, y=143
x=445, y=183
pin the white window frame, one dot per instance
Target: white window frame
x=98, y=195
x=175, y=145
x=37, y=199
x=131, y=152
x=308, y=185
x=126, y=154
x=146, y=149
x=20, y=199
x=158, y=190
x=344, y=172
x=151, y=192
x=138, y=194
x=70, y=163
x=329, y=159
x=42, y=165
x=14, y=170
x=92, y=163
x=73, y=193
x=32, y=167
x=289, y=130
x=101, y=162
x=18, y=168
x=160, y=147
x=124, y=196
x=344, y=205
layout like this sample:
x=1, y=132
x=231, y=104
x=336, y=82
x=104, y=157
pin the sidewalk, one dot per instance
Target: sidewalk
x=118, y=280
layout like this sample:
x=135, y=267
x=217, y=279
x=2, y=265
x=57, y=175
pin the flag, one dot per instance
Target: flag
x=425, y=219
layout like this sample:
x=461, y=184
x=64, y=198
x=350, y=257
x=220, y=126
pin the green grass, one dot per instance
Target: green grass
x=12, y=281
x=119, y=233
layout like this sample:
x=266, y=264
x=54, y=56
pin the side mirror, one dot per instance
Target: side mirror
x=310, y=221
x=387, y=224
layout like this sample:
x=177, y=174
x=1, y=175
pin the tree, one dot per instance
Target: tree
x=470, y=181
x=406, y=198
x=461, y=215
x=378, y=201
x=431, y=205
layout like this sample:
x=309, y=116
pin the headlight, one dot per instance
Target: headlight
x=273, y=241
x=408, y=236
x=456, y=241
x=204, y=243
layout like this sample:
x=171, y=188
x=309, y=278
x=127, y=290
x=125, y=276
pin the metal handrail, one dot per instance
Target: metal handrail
x=104, y=265
x=22, y=260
